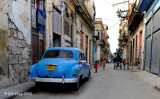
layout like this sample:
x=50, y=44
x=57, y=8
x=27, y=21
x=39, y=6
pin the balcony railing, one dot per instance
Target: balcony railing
x=133, y=12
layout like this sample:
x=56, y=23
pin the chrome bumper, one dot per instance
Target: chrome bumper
x=55, y=80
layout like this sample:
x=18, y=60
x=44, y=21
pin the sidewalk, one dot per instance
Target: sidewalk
x=152, y=79
x=16, y=90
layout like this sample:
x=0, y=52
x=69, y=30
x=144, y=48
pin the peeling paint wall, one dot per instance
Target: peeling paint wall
x=49, y=19
x=15, y=41
x=20, y=14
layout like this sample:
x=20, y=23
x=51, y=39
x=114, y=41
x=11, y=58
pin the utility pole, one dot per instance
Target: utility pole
x=62, y=16
x=119, y=12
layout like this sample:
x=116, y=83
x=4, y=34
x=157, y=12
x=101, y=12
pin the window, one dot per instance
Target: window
x=84, y=57
x=81, y=40
x=59, y=54
x=80, y=56
x=68, y=28
x=40, y=4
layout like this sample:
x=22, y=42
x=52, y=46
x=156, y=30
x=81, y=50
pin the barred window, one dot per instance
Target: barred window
x=40, y=4
x=68, y=27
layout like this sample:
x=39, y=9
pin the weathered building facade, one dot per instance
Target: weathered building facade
x=136, y=34
x=85, y=27
x=15, y=41
x=106, y=38
x=131, y=38
x=100, y=43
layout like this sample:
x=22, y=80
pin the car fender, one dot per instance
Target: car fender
x=32, y=71
x=79, y=69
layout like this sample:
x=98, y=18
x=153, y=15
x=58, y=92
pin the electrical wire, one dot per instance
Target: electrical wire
x=113, y=25
x=109, y=19
x=110, y=4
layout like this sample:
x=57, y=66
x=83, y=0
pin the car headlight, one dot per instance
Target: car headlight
x=75, y=73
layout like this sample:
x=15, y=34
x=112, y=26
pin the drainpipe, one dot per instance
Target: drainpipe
x=62, y=23
x=144, y=44
x=159, y=68
x=151, y=42
x=94, y=42
x=93, y=52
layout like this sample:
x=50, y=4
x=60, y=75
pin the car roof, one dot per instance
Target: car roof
x=65, y=48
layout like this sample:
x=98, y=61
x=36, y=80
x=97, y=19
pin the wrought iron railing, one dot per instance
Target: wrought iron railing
x=133, y=12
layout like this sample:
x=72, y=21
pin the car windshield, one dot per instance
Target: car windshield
x=59, y=54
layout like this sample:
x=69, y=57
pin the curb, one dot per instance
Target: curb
x=15, y=90
x=157, y=87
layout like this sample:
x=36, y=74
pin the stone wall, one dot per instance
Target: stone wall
x=18, y=58
x=19, y=55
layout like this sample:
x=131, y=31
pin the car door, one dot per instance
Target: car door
x=86, y=66
x=81, y=58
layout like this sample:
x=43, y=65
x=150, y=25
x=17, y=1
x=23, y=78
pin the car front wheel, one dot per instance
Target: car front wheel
x=88, y=75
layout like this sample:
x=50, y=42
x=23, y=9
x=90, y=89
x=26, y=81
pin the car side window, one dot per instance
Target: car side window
x=84, y=57
x=80, y=56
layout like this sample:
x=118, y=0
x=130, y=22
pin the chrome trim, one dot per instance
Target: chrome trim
x=57, y=80
x=51, y=64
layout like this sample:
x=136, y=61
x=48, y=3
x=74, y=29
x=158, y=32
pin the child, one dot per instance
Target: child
x=124, y=63
x=96, y=66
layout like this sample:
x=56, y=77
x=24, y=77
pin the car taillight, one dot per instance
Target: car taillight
x=75, y=73
x=29, y=72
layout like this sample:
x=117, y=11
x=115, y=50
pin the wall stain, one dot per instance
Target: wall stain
x=1, y=70
x=24, y=18
x=3, y=41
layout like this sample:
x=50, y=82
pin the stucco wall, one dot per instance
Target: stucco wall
x=139, y=40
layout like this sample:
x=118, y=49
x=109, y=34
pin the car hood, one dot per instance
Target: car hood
x=63, y=67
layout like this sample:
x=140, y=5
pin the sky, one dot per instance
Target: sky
x=107, y=12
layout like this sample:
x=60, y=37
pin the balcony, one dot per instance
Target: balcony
x=100, y=42
x=134, y=19
x=96, y=37
x=120, y=39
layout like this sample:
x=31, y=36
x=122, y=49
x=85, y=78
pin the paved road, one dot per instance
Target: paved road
x=106, y=84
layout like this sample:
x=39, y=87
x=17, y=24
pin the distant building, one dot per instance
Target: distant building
x=100, y=43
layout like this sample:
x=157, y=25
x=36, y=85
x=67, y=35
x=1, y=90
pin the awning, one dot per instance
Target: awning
x=40, y=22
x=118, y=53
x=144, y=5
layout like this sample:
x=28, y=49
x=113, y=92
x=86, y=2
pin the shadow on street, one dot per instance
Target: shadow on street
x=56, y=88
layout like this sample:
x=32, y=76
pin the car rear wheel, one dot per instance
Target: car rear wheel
x=76, y=86
x=38, y=84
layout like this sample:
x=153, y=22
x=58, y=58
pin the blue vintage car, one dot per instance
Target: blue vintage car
x=61, y=65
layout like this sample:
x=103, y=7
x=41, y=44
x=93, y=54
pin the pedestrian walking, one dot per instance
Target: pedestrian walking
x=103, y=59
x=127, y=62
x=124, y=63
x=137, y=63
x=96, y=66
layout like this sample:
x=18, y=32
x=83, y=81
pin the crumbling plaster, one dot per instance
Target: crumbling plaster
x=19, y=14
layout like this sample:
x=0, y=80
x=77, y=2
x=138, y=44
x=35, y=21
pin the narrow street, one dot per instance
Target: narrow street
x=106, y=84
